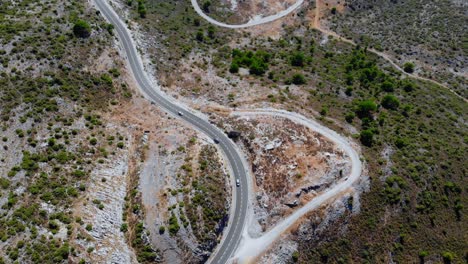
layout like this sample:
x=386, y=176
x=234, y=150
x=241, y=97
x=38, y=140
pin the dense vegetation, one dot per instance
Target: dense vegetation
x=256, y=62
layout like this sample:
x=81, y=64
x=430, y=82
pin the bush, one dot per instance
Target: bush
x=349, y=117
x=387, y=86
x=256, y=62
x=4, y=183
x=211, y=32
x=367, y=138
x=365, y=108
x=82, y=29
x=162, y=230
x=141, y=9
x=408, y=86
x=173, y=225
x=324, y=111
x=448, y=257
x=78, y=173
x=62, y=252
x=93, y=141
x=390, y=102
x=110, y=28
x=295, y=256
x=199, y=36
x=206, y=6
x=234, y=68
x=401, y=142
x=298, y=79
x=408, y=67
x=298, y=59
x=257, y=68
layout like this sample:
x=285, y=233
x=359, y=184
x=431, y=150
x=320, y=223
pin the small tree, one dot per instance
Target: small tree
x=141, y=9
x=93, y=141
x=295, y=256
x=365, y=108
x=448, y=257
x=408, y=67
x=298, y=59
x=298, y=79
x=349, y=117
x=390, y=102
x=234, y=68
x=257, y=67
x=82, y=29
x=211, y=32
x=387, y=86
x=200, y=37
x=408, y=85
x=367, y=138
x=206, y=6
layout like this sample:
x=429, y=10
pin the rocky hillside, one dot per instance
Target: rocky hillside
x=412, y=132
x=59, y=80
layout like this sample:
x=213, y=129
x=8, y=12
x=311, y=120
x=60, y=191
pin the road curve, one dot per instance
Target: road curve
x=260, y=21
x=253, y=247
x=235, y=227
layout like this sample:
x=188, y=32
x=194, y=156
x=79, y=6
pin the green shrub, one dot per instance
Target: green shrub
x=93, y=141
x=141, y=9
x=82, y=29
x=390, y=102
x=448, y=256
x=110, y=28
x=295, y=256
x=298, y=59
x=408, y=67
x=256, y=62
x=387, y=86
x=4, y=183
x=200, y=36
x=365, y=108
x=234, y=68
x=206, y=6
x=173, y=225
x=298, y=79
x=367, y=138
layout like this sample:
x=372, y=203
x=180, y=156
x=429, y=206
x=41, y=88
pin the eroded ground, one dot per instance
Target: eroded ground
x=290, y=163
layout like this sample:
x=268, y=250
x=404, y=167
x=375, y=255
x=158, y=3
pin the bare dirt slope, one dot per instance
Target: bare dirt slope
x=290, y=163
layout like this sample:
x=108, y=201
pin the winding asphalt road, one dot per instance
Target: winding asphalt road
x=238, y=215
x=251, y=23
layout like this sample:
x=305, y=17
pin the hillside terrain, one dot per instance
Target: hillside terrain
x=93, y=172
x=412, y=131
x=71, y=154
x=430, y=34
x=57, y=138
